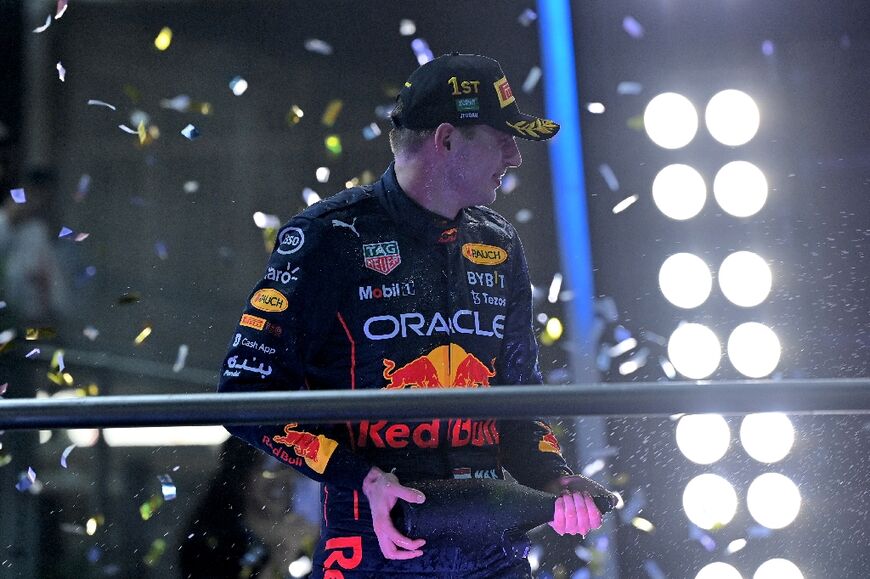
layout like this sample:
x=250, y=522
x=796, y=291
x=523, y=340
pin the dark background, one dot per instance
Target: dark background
x=812, y=145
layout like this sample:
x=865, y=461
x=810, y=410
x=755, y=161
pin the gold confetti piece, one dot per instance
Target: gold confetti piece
x=164, y=39
x=143, y=335
x=31, y=334
x=5, y=459
x=643, y=525
x=140, y=130
x=635, y=123
x=295, y=115
x=333, y=144
x=149, y=508
x=330, y=115
x=158, y=547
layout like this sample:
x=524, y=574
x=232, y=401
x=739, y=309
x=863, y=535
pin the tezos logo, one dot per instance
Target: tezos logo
x=482, y=254
x=290, y=240
x=269, y=300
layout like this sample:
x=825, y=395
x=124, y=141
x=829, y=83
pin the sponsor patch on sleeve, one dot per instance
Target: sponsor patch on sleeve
x=269, y=300
x=315, y=449
x=250, y=321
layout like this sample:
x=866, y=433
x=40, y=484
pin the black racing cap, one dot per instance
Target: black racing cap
x=466, y=89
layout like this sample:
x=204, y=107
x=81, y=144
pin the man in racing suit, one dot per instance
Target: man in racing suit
x=409, y=282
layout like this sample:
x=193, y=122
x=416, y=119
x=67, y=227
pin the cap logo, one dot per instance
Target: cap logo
x=504, y=92
x=534, y=129
x=469, y=104
x=464, y=87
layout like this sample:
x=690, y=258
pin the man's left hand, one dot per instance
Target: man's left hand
x=575, y=512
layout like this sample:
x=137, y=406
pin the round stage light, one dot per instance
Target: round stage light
x=670, y=120
x=709, y=501
x=767, y=436
x=740, y=188
x=703, y=438
x=778, y=569
x=679, y=191
x=694, y=350
x=732, y=117
x=754, y=350
x=745, y=278
x=773, y=500
x=718, y=570
x=685, y=280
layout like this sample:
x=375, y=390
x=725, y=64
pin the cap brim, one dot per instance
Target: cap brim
x=530, y=127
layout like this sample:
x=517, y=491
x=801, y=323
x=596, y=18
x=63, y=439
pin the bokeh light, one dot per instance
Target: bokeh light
x=694, y=350
x=670, y=120
x=745, y=278
x=773, y=500
x=679, y=191
x=778, y=569
x=709, y=501
x=685, y=280
x=718, y=570
x=754, y=349
x=740, y=188
x=703, y=438
x=732, y=117
x=767, y=436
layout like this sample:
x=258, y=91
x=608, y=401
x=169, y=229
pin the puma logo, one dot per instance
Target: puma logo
x=351, y=225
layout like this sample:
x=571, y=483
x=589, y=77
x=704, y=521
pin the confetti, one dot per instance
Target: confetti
x=33, y=353
x=333, y=144
x=509, y=183
x=190, y=132
x=65, y=455
x=706, y=541
x=373, y=131
x=322, y=174
x=407, y=27
x=143, y=335
x=643, y=525
x=61, y=72
x=61, y=8
x=127, y=129
x=421, y=51
x=26, y=480
x=149, y=508
x=318, y=46
x=624, y=204
x=7, y=336
x=632, y=27
x=758, y=532
x=18, y=195
x=180, y=103
x=161, y=251
x=527, y=17
x=266, y=220
x=3, y=388
x=294, y=115
x=44, y=27
x=524, y=216
x=629, y=87
x=310, y=196
x=767, y=48
x=57, y=360
x=595, y=108
x=181, y=358
x=191, y=186
x=91, y=333
x=609, y=176
x=238, y=85
x=735, y=545
x=532, y=79
x=653, y=570
x=98, y=103
x=583, y=573
x=163, y=39
x=167, y=486
x=555, y=287
x=330, y=114
x=594, y=467
x=140, y=130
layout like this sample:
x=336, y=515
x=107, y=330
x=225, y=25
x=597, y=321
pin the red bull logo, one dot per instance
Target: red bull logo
x=444, y=367
x=549, y=443
x=315, y=449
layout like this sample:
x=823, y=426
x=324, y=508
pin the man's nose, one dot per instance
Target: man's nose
x=513, y=158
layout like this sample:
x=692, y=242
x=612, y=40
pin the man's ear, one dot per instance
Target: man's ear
x=443, y=135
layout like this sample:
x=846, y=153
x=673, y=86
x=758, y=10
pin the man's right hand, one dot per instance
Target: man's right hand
x=382, y=489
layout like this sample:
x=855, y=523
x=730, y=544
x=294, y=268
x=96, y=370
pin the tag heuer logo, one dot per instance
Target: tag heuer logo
x=382, y=257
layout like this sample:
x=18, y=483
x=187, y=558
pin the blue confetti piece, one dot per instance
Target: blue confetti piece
x=371, y=132
x=26, y=480
x=32, y=353
x=628, y=87
x=583, y=573
x=653, y=570
x=190, y=132
x=167, y=486
x=161, y=250
x=758, y=532
x=620, y=334
x=65, y=232
x=632, y=27
x=18, y=195
x=94, y=554
x=421, y=51
x=65, y=455
x=767, y=48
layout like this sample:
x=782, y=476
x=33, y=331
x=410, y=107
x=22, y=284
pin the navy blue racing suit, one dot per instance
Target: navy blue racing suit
x=367, y=289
